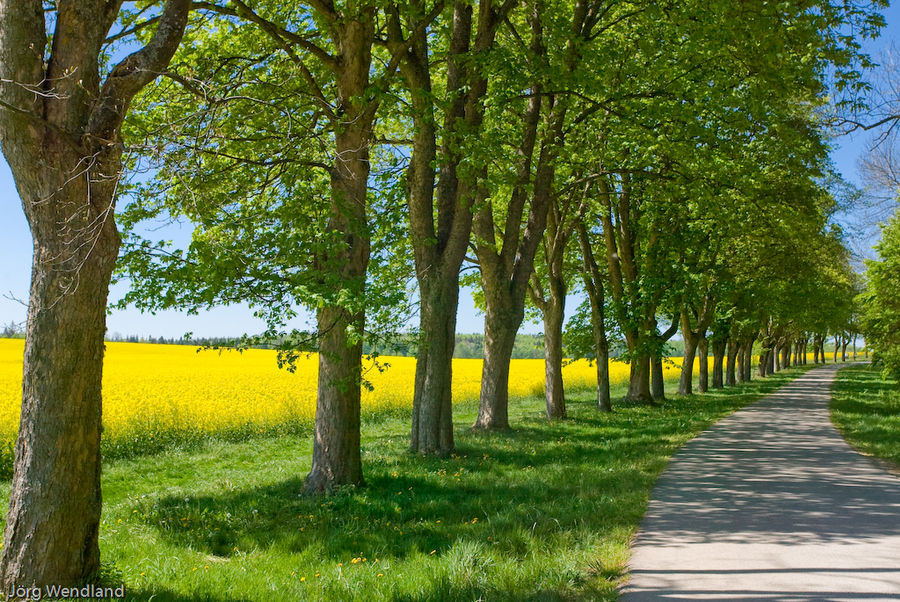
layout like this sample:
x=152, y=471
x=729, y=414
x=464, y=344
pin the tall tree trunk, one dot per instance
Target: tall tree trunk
x=703, y=357
x=657, y=380
x=777, y=354
x=732, y=352
x=741, y=352
x=639, y=380
x=432, y=419
x=499, y=339
x=506, y=268
x=719, y=347
x=336, y=455
x=54, y=513
x=748, y=359
x=685, y=384
x=604, y=403
x=593, y=284
x=837, y=345
x=60, y=134
x=441, y=217
x=692, y=340
x=553, y=315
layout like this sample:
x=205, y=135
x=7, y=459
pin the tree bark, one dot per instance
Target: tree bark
x=748, y=359
x=500, y=328
x=740, y=361
x=639, y=380
x=593, y=284
x=432, y=418
x=692, y=339
x=685, y=384
x=765, y=357
x=64, y=148
x=54, y=513
x=731, y=351
x=657, y=380
x=553, y=314
x=441, y=216
x=719, y=348
x=336, y=457
x=703, y=357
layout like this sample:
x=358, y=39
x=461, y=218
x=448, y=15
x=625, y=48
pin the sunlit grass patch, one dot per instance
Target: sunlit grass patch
x=544, y=512
x=866, y=409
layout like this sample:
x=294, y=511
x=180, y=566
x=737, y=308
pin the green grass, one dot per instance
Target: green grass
x=866, y=409
x=545, y=512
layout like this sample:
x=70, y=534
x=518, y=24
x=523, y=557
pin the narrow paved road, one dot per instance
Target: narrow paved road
x=771, y=504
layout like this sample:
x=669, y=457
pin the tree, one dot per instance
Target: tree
x=593, y=285
x=510, y=220
x=880, y=301
x=441, y=208
x=549, y=285
x=60, y=119
x=282, y=219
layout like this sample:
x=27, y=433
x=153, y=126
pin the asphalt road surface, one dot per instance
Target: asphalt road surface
x=771, y=504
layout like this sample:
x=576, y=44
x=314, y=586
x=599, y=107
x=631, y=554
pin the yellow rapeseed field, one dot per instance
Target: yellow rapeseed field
x=154, y=390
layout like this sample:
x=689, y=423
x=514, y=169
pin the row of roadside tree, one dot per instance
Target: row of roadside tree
x=363, y=158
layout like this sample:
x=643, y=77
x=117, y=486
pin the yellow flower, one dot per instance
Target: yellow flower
x=211, y=392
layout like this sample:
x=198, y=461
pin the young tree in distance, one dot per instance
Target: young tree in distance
x=60, y=119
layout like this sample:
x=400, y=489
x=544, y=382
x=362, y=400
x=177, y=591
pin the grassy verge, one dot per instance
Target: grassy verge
x=544, y=512
x=866, y=409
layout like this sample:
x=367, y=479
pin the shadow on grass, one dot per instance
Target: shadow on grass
x=543, y=486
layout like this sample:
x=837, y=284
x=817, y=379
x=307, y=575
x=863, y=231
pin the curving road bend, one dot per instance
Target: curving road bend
x=771, y=504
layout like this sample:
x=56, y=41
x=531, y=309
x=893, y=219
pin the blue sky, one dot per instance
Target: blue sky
x=16, y=246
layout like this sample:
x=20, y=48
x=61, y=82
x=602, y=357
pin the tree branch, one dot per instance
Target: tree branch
x=137, y=70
